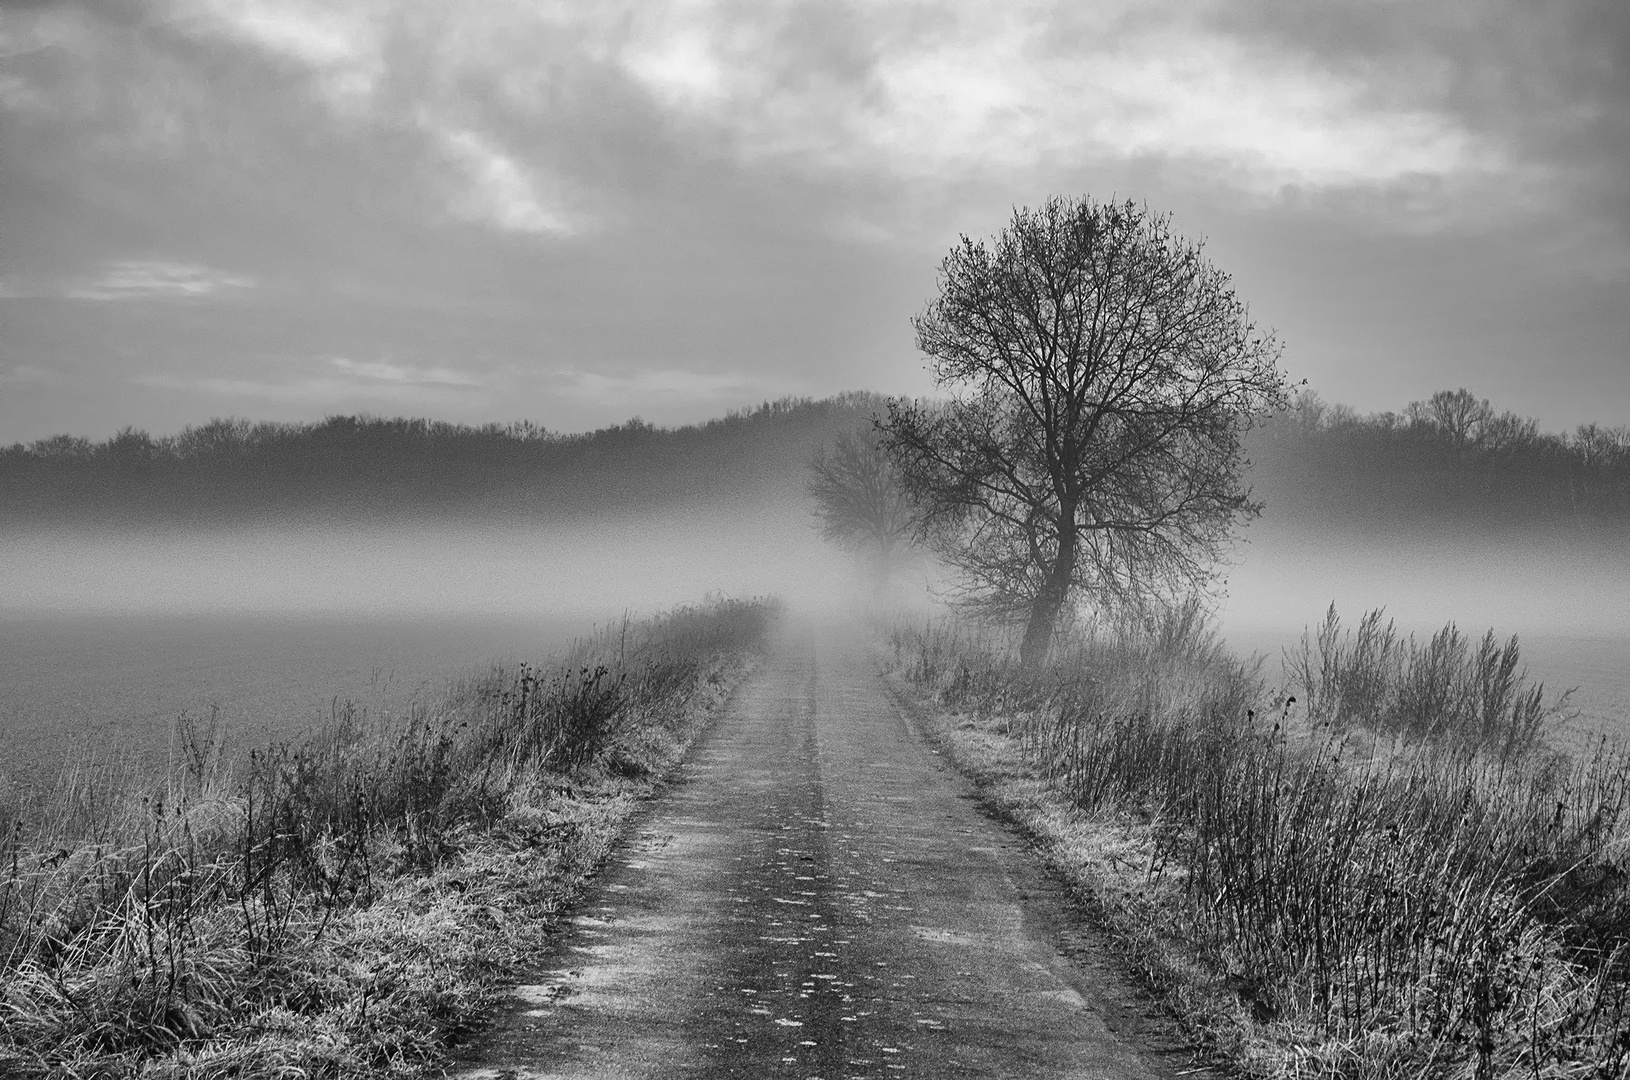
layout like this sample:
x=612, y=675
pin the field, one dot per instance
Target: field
x=343, y=905
x=111, y=687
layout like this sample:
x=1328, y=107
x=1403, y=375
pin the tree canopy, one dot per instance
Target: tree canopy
x=1101, y=374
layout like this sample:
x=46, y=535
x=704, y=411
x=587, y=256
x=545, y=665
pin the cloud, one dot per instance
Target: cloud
x=27, y=374
x=383, y=371
x=1006, y=88
x=308, y=390
x=1547, y=85
x=341, y=45
x=338, y=380
x=906, y=89
x=320, y=35
x=515, y=106
x=666, y=385
x=500, y=191
x=140, y=279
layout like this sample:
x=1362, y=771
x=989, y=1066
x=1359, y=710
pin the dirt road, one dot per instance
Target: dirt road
x=818, y=895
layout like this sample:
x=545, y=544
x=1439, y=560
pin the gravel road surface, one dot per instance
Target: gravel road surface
x=818, y=895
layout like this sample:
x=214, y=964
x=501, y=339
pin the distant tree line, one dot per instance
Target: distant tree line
x=1452, y=458
x=355, y=466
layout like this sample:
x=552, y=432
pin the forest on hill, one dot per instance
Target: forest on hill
x=1449, y=460
x=357, y=467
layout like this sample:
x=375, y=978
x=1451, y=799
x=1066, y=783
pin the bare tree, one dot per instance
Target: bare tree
x=1101, y=374
x=1459, y=415
x=861, y=501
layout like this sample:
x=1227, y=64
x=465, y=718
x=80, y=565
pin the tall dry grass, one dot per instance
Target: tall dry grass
x=1446, y=691
x=216, y=921
x=1397, y=880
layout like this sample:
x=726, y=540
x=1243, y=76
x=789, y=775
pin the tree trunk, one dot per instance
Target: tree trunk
x=1038, y=633
x=1044, y=610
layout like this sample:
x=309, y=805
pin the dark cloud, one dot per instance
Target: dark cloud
x=1549, y=83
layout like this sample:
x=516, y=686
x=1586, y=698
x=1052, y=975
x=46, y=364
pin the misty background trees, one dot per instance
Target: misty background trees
x=1452, y=461
x=353, y=467
x=1101, y=375
x=862, y=503
x=1315, y=461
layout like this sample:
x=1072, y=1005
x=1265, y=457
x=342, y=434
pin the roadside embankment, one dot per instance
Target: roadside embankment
x=345, y=907
x=1356, y=889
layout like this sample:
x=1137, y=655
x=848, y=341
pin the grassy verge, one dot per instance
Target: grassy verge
x=344, y=907
x=1398, y=881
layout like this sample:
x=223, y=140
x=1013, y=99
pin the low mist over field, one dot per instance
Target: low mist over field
x=1286, y=573
x=1283, y=571
x=1499, y=524
x=401, y=517
x=409, y=544
x=592, y=566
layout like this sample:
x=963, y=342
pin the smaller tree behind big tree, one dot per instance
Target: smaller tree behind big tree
x=861, y=501
x=1101, y=374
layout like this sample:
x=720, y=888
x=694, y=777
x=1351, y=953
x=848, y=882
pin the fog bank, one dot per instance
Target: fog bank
x=589, y=566
x=1286, y=575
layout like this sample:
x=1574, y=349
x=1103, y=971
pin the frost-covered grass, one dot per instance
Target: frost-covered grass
x=343, y=907
x=1332, y=892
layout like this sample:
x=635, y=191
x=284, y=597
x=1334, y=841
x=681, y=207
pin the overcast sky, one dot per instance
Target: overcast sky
x=576, y=212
